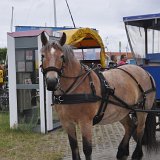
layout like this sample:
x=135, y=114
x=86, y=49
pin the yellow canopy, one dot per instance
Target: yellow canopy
x=86, y=38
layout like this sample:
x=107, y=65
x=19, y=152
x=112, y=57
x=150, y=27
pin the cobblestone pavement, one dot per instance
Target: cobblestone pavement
x=105, y=143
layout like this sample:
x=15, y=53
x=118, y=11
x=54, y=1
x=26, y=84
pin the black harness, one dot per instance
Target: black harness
x=141, y=103
x=106, y=92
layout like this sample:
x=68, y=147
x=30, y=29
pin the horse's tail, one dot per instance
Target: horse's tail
x=149, y=137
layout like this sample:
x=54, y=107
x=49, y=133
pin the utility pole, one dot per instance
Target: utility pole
x=55, y=16
x=12, y=19
x=120, y=47
x=70, y=14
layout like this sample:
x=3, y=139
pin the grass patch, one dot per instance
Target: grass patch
x=25, y=145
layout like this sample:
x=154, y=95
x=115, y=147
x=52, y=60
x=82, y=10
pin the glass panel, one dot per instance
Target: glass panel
x=23, y=77
x=28, y=108
x=20, y=66
x=20, y=55
x=56, y=122
x=137, y=39
x=87, y=54
x=29, y=66
x=153, y=41
x=29, y=55
x=27, y=95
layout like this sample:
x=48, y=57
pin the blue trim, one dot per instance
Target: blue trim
x=141, y=17
x=153, y=56
x=155, y=72
x=28, y=28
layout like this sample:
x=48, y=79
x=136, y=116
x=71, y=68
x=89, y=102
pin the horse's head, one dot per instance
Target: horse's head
x=52, y=60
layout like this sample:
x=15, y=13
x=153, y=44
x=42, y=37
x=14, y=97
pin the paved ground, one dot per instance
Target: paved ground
x=105, y=143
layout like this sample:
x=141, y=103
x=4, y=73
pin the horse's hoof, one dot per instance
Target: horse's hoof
x=137, y=156
x=122, y=154
x=137, y=159
x=123, y=158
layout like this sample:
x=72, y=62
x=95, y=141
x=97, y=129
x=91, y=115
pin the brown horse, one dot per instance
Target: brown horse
x=84, y=96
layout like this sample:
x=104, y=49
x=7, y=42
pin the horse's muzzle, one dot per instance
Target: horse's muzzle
x=51, y=84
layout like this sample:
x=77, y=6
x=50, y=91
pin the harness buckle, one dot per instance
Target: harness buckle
x=57, y=99
x=106, y=84
x=60, y=99
x=111, y=90
x=91, y=83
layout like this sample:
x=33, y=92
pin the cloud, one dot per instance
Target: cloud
x=104, y=15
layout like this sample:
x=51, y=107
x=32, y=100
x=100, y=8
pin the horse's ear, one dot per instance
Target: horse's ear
x=44, y=38
x=63, y=39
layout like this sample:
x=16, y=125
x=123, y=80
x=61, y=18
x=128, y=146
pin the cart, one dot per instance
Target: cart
x=86, y=38
x=143, y=33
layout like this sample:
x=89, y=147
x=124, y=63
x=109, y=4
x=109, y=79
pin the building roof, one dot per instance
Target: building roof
x=141, y=17
x=31, y=33
x=148, y=21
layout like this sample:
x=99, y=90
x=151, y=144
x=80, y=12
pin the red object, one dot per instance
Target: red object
x=121, y=63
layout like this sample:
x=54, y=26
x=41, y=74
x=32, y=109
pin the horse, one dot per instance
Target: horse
x=85, y=96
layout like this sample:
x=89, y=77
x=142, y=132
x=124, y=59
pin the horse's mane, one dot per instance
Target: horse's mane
x=67, y=51
x=69, y=54
x=51, y=44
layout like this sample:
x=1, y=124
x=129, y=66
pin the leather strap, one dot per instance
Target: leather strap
x=75, y=98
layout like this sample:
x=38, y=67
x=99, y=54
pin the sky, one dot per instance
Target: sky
x=104, y=15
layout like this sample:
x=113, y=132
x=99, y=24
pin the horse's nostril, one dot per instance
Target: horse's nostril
x=51, y=84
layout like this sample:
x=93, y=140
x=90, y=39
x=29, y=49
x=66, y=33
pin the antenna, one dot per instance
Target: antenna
x=70, y=14
x=12, y=19
x=55, y=16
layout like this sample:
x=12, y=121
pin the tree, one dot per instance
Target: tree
x=3, y=53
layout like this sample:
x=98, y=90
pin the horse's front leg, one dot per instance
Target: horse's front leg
x=86, y=129
x=71, y=130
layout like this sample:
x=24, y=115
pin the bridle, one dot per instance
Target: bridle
x=60, y=72
x=52, y=68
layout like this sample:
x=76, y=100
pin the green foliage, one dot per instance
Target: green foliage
x=3, y=53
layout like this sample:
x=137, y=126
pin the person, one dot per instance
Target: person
x=113, y=62
x=1, y=76
x=123, y=60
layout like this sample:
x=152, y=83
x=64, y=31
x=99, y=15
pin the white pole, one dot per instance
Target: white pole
x=41, y=92
x=12, y=19
x=12, y=82
x=55, y=16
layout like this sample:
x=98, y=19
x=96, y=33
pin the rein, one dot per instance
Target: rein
x=68, y=98
x=106, y=91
